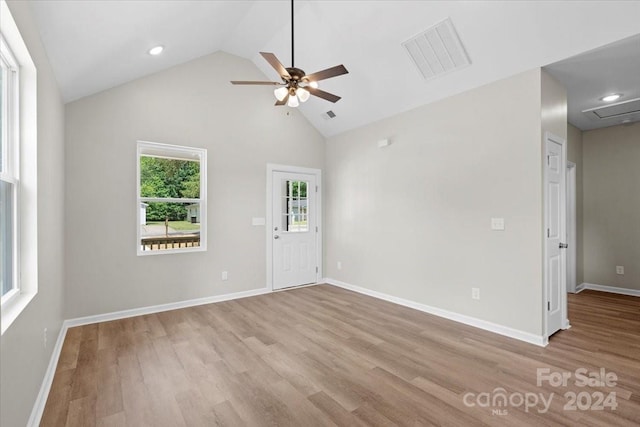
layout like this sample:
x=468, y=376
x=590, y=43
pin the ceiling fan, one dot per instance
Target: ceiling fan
x=296, y=86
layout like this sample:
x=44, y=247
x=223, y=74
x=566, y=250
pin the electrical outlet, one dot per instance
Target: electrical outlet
x=619, y=269
x=339, y=265
x=225, y=275
x=44, y=338
x=475, y=293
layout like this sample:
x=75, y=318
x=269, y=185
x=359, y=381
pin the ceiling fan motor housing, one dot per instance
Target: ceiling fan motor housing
x=296, y=75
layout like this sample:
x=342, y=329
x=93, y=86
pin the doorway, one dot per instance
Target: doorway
x=572, y=220
x=294, y=246
x=555, y=234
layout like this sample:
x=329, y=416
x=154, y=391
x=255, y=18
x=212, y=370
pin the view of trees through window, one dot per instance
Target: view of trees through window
x=168, y=178
x=172, y=198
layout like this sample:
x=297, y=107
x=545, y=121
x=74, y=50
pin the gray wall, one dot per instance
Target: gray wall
x=413, y=219
x=574, y=154
x=194, y=105
x=611, y=159
x=23, y=357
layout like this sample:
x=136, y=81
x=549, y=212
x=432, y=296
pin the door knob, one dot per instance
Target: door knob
x=276, y=237
x=564, y=245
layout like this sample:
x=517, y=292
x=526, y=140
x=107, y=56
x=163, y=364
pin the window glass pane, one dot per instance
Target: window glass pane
x=6, y=237
x=174, y=178
x=3, y=108
x=169, y=225
x=295, y=218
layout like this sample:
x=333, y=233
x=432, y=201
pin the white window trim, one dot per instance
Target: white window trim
x=24, y=127
x=10, y=159
x=156, y=149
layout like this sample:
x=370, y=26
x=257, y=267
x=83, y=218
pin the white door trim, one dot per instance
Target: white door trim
x=548, y=136
x=271, y=168
x=572, y=250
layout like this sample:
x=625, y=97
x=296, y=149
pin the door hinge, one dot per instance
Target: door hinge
x=548, y=233
x=548, y=305
x=316, y=269
x=548, y=160
x=316, y=229
x=316, y=188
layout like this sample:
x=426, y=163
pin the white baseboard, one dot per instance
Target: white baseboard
x=43, y=394
x=610, y=289
x=79, y=321
x=538, y=340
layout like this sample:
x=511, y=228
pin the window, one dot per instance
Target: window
x=295, y=215
x=9, y=174
x=171, y=206
x=18, y=172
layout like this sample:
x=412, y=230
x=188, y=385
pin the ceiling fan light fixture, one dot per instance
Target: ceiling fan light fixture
x=293, y=101
x=281, y=93
x=303, y=94
x=314, y=85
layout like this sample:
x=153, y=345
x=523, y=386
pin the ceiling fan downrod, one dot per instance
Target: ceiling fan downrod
x=293, y=64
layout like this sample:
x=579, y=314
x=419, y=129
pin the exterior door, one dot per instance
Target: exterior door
x=294, y=229
x=555, y=218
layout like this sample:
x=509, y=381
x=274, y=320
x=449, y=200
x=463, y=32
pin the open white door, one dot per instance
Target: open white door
x=555, y=236
x=294, y=229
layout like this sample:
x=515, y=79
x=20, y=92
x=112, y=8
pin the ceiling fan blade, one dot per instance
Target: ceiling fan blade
x=276, y=64
x=283, y=102
x=338, y=70
x=322, y=94
x=243, y=82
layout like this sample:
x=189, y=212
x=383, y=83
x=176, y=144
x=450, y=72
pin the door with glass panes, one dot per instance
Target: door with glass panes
x=294, y=230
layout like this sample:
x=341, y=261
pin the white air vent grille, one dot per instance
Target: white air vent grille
x=437, y=51
x=618, y=110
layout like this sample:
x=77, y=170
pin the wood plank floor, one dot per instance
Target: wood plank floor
x=323, y=356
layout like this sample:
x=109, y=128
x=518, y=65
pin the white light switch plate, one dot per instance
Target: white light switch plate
x=497, y=223
x=619, y=269
x=257, y=221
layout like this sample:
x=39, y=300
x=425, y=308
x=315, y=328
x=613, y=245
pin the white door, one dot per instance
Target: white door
x=294, y=229
x=555, y=219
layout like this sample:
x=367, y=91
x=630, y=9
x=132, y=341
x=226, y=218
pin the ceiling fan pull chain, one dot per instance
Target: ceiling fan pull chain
x=293, y=64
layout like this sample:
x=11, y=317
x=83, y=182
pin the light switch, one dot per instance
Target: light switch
x=257, y=221
x=497, y=224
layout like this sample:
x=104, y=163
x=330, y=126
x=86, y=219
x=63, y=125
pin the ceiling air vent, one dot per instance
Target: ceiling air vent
x=437, y=51
x=630, y=108
x=328, y=115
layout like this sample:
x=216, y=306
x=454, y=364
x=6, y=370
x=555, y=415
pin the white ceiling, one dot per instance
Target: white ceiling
x=614, y=68
x=96, y=45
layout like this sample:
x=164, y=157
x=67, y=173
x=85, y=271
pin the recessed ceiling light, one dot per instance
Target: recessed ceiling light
x=156, y=50
x=611, y=97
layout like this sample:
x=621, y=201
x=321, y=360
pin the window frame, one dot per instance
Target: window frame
x=10, y=167
x=170, y=151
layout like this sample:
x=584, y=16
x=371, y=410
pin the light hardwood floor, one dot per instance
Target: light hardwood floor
x=326, y=356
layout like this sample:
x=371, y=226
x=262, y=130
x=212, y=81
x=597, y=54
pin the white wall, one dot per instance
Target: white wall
x=23, y=357
x=413, y=219
x=195, y=105
x=611, y=158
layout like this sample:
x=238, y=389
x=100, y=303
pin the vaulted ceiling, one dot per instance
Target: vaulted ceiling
x=96, y=45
